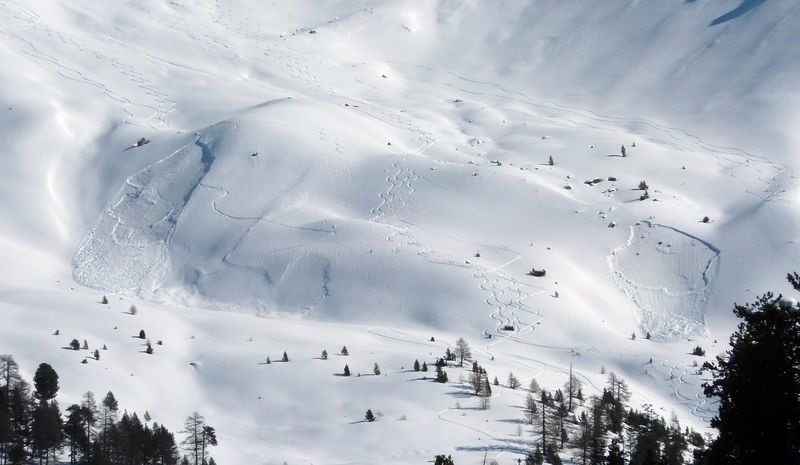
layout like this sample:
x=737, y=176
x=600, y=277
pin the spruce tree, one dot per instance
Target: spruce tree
x=757, y=382
x=346, y=371
x=416, y=365
x=45, y=381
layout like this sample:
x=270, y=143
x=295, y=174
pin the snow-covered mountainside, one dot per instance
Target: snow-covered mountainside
x=372, y=173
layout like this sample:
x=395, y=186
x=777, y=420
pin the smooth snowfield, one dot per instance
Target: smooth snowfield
x=374, y=173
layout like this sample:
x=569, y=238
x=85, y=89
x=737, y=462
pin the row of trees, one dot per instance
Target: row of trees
x=33, y=428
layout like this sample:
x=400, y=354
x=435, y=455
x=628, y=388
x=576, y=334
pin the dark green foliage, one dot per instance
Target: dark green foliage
x=551, y=455
x=535, y=457
x=346, y=371
x=45, y=380
x=758, y=386
x=698, y=351
x=416, y=365
x=369, y=416
x=615, y=455
x=142, y=334
x=441, y=375
x=32, y=428
x=46, y=430
x=74, y=344
x=442, y=460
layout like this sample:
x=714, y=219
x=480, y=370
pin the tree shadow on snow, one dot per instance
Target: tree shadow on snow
x=522, y=449
x=743, y=8
x=513, y=421
x=461, y=394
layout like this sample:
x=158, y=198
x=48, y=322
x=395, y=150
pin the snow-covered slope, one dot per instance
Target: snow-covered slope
x=386, y=163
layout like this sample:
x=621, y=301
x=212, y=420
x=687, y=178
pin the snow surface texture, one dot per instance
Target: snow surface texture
x=379, y=169
x=668, y=275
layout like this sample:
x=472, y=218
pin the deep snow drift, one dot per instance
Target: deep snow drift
x=380, y=171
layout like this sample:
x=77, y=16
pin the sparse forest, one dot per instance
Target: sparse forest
x=34, y=428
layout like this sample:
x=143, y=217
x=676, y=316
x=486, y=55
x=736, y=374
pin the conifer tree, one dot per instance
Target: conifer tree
x=572, y=387
x=285, y=357
x=346, y=371
x=198, y=437
x=534, y=386
x=45, y=380
x=513, y=382
x=758, y=385
x=441, y=375
x=109, y=408
x=530, y=410
x=416, y=365
x=463, y=351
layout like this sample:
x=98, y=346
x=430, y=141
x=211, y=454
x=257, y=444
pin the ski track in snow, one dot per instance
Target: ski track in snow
x=508, y=299
x=157, y=113
x=728, y=158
